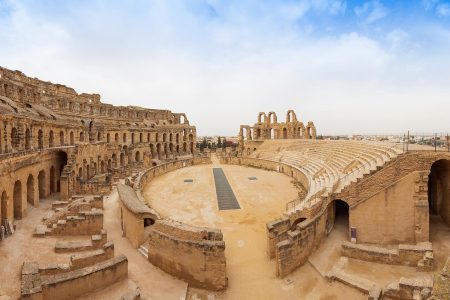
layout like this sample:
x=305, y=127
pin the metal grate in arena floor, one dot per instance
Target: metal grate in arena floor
x=225, y=196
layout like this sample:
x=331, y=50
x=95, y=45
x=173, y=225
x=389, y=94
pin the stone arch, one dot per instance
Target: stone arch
x=291, y=116
x=122, y=159
x=132, y=138
x=41, y=184
x=40, y=139
x=184, y=147
x=296, y=222
x=137, y=156
x=171, y=147
x=72, y=138
x=27, y=139
x=108, y=137
x=15, y=140
x=338, y=214
x=116, y=137
x=285, y=133
x=192, y=147
x=191, y=137
x=439, y=192
x=17, y=200
x=52, y=180
x=260, y=115
x=272, y=118
x=177, y=138
x=3, y=207
x=164, y=137
x=158, y=150
x=51, y=139
x=81, y=136
x=61, y=138
x=124, y=137
x=301, y=131
x=102, y=166
x=178, y=148
x=310, y=131
x=30, y=189
x=99, y=136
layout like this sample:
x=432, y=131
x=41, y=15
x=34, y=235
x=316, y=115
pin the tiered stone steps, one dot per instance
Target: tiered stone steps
x=330, y=165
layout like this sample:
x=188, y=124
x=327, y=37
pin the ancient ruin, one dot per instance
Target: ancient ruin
x=109, y=202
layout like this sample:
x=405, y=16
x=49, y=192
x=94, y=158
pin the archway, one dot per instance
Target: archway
x=61, y=138
x=40, y=139
x=137, y=157
x=30, y=189
x=27, y=139
x=338, y=217
x=4, y=207
x=17, y=199
x=72, y=140
x=285, y=135
x=148, y=222
x=122, y=159
x=158, y=150
x=52, y=179
x=41, y=184
x=439, y=195
x=51, y=139
x=15, y=141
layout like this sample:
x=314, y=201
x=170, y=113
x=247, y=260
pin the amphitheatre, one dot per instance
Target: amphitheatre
x=117, y=202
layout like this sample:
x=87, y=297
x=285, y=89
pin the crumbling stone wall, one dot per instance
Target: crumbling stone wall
x=196, y=255
x=268, y=127
x=53, y=139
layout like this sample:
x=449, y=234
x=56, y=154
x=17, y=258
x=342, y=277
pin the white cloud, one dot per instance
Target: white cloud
x=222, y=71
x=443, y=10
x=371, y=11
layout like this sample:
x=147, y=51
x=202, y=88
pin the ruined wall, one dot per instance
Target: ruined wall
x=196, y=255
x=53, y=139
x=391, y=215
x=72, y=284
x=133, y=213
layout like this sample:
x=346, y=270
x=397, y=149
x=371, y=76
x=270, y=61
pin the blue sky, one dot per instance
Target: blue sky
x=351, y=66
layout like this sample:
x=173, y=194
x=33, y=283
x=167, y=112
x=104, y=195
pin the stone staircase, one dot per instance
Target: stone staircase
x=143, y=250
x=363, y=285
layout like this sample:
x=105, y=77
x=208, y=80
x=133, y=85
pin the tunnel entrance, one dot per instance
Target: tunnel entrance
x=338, y=217
x=439, y=191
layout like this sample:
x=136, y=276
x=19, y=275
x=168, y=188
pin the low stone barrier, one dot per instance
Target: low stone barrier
x=71, y=284
x=420, y=255
x=194, y=254
x=289, y=170
x=133, y=213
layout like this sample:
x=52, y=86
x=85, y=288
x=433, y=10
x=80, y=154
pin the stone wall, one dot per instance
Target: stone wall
x=196, y=255
x=53, y=139
x=71, y=284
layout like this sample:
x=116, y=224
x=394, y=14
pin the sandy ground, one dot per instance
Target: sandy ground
x=251, y=274
x=153, y=283
x=22, y=246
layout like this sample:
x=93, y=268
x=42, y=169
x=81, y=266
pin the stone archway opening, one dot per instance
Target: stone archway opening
x=30, y=189
x=4, y=207
x=439, y=198
x=41, y=184
x=148, y=222
x=338, y=217
x=17, y=200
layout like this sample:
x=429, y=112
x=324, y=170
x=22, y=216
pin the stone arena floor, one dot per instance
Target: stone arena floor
x=251, y=275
